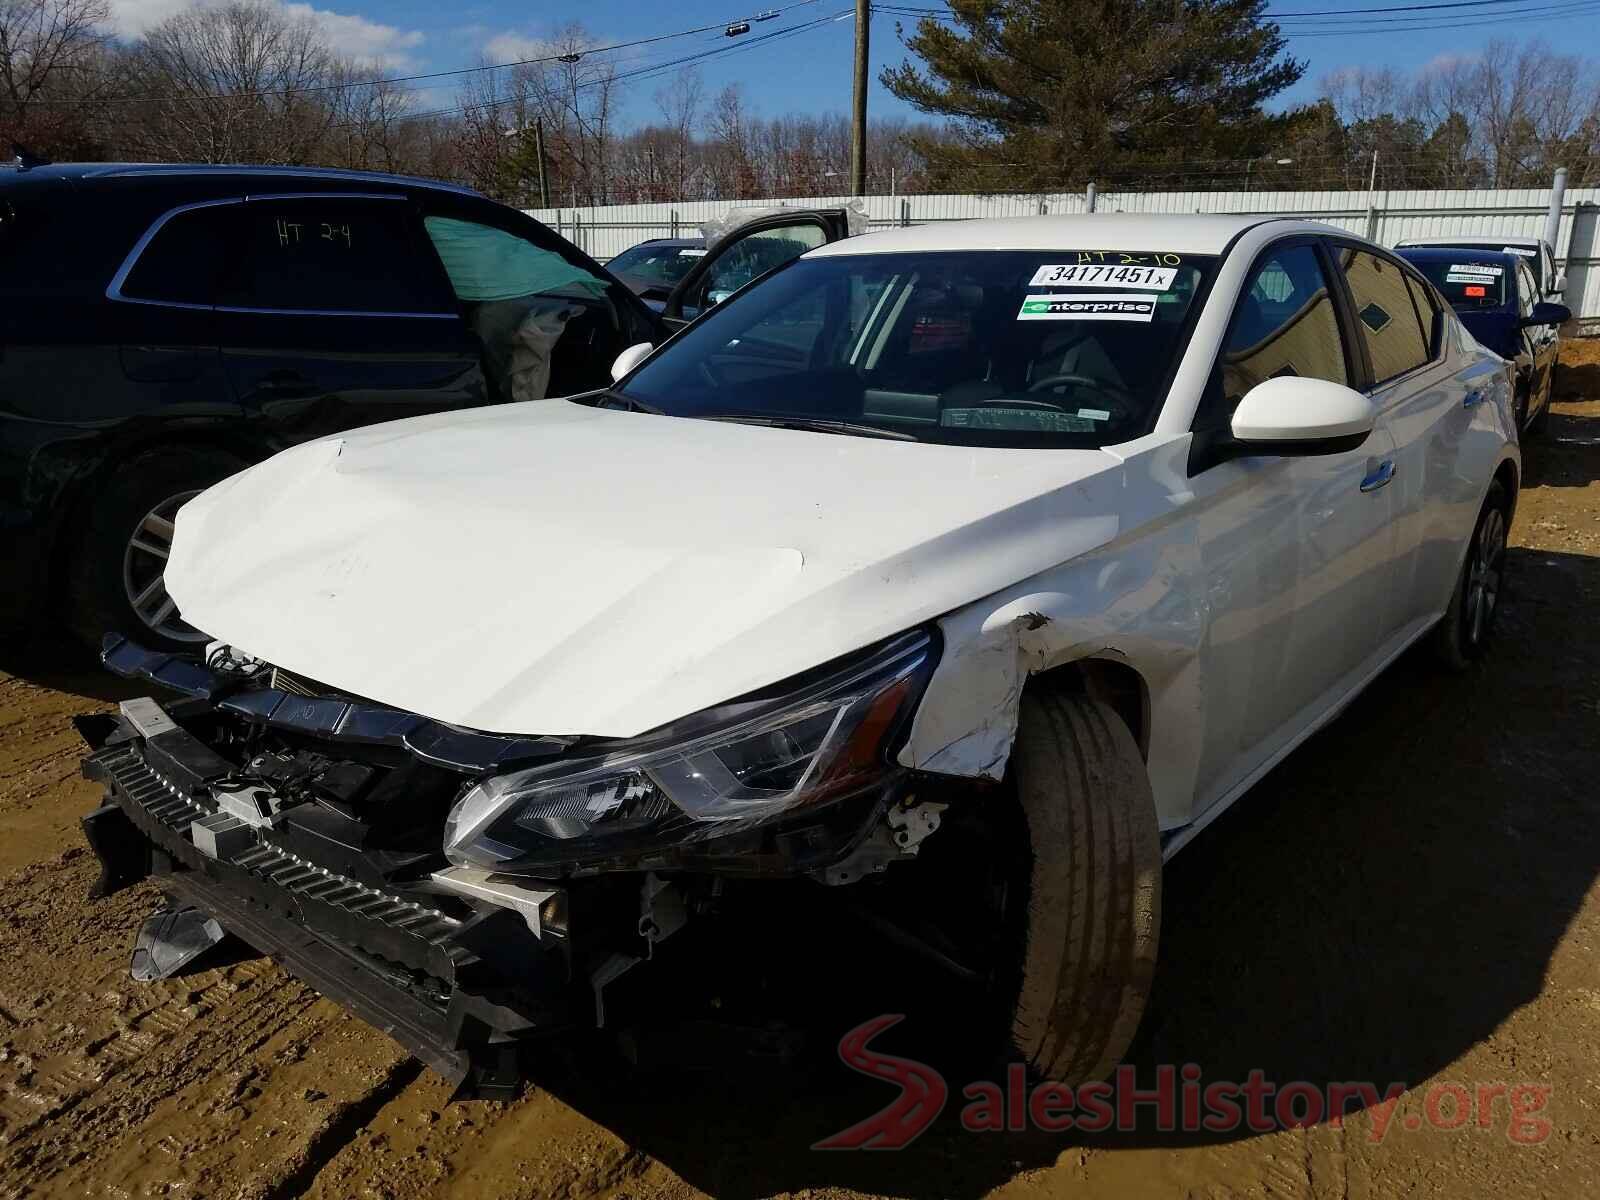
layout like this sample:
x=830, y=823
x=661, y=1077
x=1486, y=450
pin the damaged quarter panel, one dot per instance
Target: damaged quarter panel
x=1126, y=594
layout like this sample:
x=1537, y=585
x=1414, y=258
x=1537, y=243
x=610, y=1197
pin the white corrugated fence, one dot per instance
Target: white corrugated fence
x=1384, y=216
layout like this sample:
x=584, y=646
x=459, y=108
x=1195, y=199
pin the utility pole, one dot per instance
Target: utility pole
x=858, y=124
x=538, y=152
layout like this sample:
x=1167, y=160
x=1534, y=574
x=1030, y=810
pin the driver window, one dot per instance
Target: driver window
x=751, y=256
x=1284, y=325
x=547, y=326
x=1527, y=289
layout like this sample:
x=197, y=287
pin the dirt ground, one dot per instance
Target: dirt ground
x=1410, y=898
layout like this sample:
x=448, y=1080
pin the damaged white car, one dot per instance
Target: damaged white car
x=1035, y=541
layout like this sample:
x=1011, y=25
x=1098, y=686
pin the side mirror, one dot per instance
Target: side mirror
x=1545, y=313
x=629, y=359
x=1291, y=415
x=1558, y=286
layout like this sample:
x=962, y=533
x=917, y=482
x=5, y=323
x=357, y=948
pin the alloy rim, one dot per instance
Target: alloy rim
x=144, y=563
x=1484, y=575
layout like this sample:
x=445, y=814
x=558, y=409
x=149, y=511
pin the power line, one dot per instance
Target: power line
x=564, y=56
x=643, y=72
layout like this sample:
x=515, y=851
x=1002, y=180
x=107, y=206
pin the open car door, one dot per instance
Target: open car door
x=748, y=252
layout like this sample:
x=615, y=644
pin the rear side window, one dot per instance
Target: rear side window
x=332, y=254
x=1284, y=325
x=184, y=258
x=1427, y=311
x=1384, y=313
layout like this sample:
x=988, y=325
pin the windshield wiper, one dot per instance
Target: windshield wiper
x=616, y=400
x=811, y=424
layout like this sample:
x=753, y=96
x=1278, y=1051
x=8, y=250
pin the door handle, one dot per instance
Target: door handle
x=1380, y=476
x=1473, y=398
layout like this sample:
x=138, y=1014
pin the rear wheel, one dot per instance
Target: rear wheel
x=1093, y=912
x=117, y=582
x=1462, y=637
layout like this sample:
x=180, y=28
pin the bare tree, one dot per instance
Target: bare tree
x=53, y=71
x=242, y=82
x=679, y=103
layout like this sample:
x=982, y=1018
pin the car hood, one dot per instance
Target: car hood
x=553, y=568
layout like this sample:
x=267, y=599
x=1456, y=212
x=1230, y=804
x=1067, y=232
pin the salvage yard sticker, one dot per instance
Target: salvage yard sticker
x=1476, y=268
x=1103, y=275
x=1088, y=308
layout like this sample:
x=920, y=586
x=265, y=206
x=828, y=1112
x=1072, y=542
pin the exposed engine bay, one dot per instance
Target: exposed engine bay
x=469, y=892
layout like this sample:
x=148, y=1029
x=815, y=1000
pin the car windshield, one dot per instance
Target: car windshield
x=658, y=264
x=972, y=347
x=1468, y=284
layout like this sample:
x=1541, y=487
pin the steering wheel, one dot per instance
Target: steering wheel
x=1104, y=387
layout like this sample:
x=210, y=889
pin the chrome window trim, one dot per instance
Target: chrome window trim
x=114, y=288
x=334, y=173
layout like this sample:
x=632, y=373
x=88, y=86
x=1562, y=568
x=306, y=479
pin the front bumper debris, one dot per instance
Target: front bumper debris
x=310, y=824
x=457, y=993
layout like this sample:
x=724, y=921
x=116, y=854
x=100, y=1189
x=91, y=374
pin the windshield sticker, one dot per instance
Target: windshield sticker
x=1475, y=293
x=1015, y=420
x=1103, y=275
x=1477, y=268
x=1088, y=308
x=1469, y=277
x=1094, y=414
x=691, y=252
x=1522, y=250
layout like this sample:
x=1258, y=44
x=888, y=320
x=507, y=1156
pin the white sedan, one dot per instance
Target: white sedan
x=1016, y=548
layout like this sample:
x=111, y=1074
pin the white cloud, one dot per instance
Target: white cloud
x=349, y=34
x=356, y=37
x=514, y=47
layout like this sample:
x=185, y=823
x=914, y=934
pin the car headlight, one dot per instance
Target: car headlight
x=823, y=738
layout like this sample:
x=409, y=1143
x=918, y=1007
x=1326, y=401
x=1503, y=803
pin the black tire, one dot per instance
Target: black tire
x=1463, y=636
x=1094, y=894
x=109, y=569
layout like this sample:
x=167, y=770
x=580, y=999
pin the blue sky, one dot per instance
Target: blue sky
x=807, y=71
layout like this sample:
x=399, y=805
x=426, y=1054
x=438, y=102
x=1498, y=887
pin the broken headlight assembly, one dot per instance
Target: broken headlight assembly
x=822, y=738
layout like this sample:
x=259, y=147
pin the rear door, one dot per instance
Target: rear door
x=332, y=313
x=1425, y=410
x=749, y=252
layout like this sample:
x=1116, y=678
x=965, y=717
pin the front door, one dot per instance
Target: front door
x=747, y=253
x=1295, y=550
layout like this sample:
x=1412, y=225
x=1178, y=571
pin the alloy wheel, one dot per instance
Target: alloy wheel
x=144, y=563
x=1485, y=575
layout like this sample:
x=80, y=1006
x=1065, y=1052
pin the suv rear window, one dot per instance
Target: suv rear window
x=336, y=255
x=184, y=259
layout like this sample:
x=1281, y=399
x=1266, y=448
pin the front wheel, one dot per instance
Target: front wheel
x=1462, y=637
x=118, y=575
x=1093, y=916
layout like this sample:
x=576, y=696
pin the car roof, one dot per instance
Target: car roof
x=1473, y=239
x=1421, y=254
x=75, y=172
x=1173, y=232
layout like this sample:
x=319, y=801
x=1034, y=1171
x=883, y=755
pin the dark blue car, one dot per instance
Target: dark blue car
x=1495, y=296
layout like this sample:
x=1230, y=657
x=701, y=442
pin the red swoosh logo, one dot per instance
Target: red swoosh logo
x=921, y=1100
